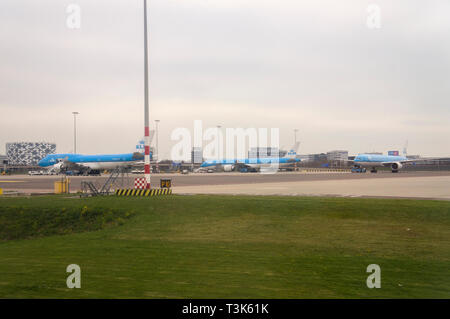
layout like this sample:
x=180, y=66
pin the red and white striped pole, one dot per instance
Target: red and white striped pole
x=146, y=109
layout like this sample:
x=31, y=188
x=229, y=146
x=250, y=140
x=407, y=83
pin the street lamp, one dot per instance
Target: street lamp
x=157, y=140
x=295, y=145
x=219, y=141
x=75, y=131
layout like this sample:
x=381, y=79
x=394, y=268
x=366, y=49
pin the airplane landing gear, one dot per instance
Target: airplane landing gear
x=373, y=170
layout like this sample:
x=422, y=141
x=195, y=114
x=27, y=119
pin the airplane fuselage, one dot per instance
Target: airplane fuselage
x=94, y=162
x=251, y=162
x=375, y=160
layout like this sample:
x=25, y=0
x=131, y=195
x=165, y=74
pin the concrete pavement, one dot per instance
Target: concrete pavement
x=434, y=184
x=431, y=187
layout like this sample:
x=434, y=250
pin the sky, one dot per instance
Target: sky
x=313, y=65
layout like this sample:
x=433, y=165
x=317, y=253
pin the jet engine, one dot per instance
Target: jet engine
x=396, y=166
x=57, y=167
x=228, y=168
x=64, y=166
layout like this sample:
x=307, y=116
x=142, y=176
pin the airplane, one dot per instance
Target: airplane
x=93, y=164
x=89, y=163
x=376, y=160
x=395, y=162
x=253, y=164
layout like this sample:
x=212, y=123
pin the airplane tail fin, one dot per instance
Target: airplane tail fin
x=140, y=146
x=405, y=149
x=292, y=153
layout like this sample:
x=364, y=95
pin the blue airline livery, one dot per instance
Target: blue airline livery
x=229, y=165
x=395, y=162
x=92, y=162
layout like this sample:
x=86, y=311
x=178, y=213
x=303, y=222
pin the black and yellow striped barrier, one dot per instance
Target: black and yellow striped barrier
x=143, y=192
x=327, y=170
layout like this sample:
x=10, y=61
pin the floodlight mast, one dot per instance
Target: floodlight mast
x=146, y=108
x=75, y=131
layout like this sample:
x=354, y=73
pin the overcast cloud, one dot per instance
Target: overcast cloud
x=312, y=65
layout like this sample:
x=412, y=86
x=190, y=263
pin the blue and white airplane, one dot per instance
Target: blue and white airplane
x=395, y=162
x=59, y=162
x=373, y=161
x=253, y=164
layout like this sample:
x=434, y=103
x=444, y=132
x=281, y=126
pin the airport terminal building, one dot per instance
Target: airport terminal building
x=197, y=155
x=28, y=153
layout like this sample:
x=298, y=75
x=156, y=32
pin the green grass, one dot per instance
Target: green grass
x=29, y=222
x=227, y=247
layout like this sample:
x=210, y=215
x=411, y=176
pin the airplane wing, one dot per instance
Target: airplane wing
x=424, y=159
x=68, y=165
x=64, y=165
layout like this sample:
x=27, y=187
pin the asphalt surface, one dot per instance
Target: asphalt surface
x=422, y=187
x=430, y=184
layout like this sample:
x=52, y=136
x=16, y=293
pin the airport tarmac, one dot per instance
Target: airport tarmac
x=430, y=187
x=430, y=184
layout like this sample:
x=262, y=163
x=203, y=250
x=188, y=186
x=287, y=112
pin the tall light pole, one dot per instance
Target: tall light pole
x=219, y=141
x=157, y=146
x=295, y=145
x=146, y=109
x=157, y=139
x=75, y=131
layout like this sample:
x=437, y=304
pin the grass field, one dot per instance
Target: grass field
x=224, y=247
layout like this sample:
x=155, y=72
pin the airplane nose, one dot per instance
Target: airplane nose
x=41, y=162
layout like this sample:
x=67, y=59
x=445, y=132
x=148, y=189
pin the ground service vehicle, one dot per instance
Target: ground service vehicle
x=358, y=170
